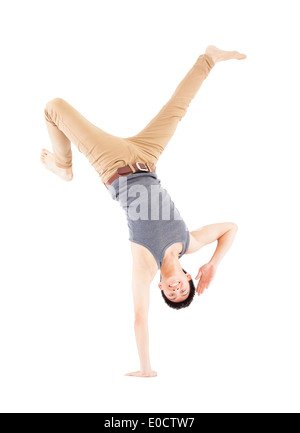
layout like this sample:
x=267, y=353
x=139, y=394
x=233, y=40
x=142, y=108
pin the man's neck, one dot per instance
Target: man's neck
x=170, y=264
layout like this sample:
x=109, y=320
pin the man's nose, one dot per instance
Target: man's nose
x=172, y=289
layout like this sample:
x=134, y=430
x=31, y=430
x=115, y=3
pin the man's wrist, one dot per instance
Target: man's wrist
x=146, y=368
x=213, y=262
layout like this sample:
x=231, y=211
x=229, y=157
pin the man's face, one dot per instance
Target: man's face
x=177, y=287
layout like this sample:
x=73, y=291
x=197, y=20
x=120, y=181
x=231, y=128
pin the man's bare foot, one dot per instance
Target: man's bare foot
x=47, y=158
x=219, y=55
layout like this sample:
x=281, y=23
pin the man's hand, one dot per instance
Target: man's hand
x=205, y=275
x=149, y=373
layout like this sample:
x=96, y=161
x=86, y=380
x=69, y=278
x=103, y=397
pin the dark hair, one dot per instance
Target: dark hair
x=186, y=302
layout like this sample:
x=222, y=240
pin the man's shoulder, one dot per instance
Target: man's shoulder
x=192, y=244
x=143, y=259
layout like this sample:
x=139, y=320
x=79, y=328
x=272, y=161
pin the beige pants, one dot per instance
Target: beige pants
x=107, y=152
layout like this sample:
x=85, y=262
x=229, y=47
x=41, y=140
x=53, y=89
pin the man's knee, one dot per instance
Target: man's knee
x=53, y=106
x=54, y=103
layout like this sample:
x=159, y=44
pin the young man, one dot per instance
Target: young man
x=158, y=234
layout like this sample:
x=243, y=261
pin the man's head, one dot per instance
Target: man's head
x=178, y=291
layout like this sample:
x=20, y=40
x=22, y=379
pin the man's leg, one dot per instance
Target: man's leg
x=152, y=140
x=65, y=125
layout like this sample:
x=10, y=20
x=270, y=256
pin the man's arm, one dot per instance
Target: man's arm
x=141, y=280
x=208, y=234
x=224, y=233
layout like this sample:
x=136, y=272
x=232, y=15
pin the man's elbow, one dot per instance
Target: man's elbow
x=140, y=316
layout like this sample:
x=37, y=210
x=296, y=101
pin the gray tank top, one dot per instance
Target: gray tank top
x=152, y=217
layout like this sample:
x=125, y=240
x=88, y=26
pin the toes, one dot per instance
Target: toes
x=46, y=152
x=44, y=156
x=240, y=56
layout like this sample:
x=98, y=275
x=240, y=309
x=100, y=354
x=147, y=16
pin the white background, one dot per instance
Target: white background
x=66, y=311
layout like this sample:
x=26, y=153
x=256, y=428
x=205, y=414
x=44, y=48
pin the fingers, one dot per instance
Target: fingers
x=139, y=374
x=201, y=288
x=199, y=275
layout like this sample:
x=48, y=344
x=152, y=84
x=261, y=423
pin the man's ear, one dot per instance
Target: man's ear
x=160, y=286
x=189, y=277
